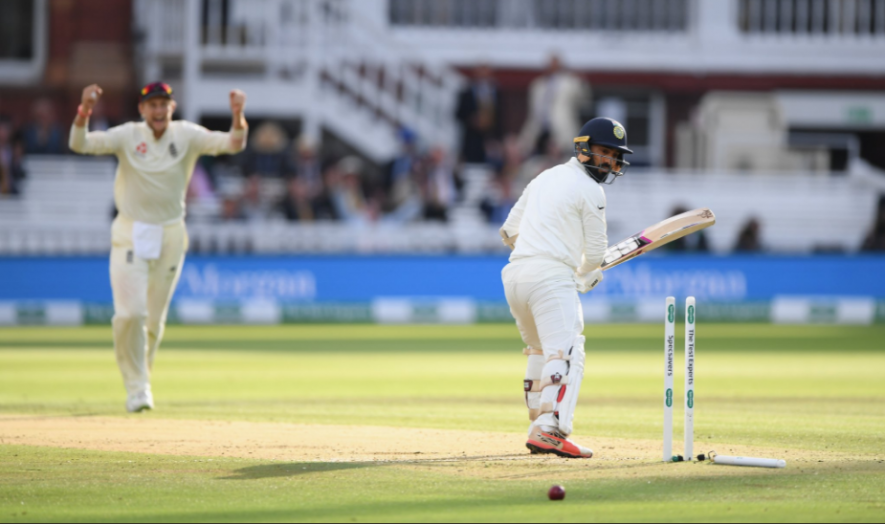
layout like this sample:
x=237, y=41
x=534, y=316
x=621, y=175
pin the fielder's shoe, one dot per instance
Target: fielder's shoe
x=140, y=402
x=554, y=442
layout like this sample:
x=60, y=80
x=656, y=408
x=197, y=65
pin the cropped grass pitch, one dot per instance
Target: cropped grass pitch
x=811, y=394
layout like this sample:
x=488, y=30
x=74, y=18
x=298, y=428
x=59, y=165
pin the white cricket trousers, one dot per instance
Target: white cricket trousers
x=142, y=290
x=543, y=298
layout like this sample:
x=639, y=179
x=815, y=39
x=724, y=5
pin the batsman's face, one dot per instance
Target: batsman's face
x=606, y=159
x=157, y=112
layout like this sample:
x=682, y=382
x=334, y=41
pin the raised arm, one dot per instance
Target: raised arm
x=217, y=143
x=84, y=142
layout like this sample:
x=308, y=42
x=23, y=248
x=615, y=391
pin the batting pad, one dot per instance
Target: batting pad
x=568, y=399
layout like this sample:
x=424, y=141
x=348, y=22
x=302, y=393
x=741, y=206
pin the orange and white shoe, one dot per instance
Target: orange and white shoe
x=554, y=442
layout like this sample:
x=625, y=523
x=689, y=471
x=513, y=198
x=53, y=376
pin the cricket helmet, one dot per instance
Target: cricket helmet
x=603, y=132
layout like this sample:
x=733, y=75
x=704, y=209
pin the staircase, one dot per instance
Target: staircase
x=325, y=62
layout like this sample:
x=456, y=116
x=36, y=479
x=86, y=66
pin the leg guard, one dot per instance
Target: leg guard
x=533, y=374
x=561, y=386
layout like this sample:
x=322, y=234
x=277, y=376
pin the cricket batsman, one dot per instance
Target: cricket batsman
x=156, y=160
x=557, y=231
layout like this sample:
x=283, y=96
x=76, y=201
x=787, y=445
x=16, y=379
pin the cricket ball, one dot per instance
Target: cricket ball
x=556, y=493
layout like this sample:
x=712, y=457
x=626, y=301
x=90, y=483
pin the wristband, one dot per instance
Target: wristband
x=82, y=113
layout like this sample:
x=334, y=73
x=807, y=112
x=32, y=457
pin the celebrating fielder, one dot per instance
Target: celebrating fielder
x=156, y=160
x=558, y=234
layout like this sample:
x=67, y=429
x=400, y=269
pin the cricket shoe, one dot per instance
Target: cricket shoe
x=554, y=442
x=139, y=402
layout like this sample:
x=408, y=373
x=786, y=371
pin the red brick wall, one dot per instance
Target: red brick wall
x=89, y=41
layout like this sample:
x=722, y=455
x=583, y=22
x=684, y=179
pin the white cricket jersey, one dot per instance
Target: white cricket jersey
x=153, y=175
x=561, y=217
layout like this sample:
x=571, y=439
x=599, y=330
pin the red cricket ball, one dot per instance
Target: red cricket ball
x=556, y=493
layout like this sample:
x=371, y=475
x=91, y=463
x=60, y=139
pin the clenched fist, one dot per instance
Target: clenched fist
x=237, y=102
x=91, y=95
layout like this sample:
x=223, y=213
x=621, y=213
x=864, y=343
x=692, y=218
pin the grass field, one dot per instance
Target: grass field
x=370, y=423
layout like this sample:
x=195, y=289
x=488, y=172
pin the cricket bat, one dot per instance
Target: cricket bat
x=650, y=238
x=658, y=235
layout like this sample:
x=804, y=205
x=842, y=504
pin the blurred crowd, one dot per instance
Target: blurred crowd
x=423, y=182
x=43, y=134
x=278, y=177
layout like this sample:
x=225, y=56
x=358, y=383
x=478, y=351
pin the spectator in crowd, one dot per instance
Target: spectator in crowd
x=297, y=205
x=44, y=136
x=441, y=186
x=404, y=201
x=252, y=204
x=479, y=115
x=876, y=239
x=346, y=191
x=696, y=243
x=231, y=211
x=268, y=156
x=551, y=156
x=11, y=170
x=749, y=239
x=323, y=206
x=556, y=100
x=507, y=186
x=307, y=165
x=200, y=188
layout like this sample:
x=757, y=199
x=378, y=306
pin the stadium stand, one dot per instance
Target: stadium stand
x=67, y=206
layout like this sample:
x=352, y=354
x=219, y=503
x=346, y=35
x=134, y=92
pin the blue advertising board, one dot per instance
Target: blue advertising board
x=363, y=279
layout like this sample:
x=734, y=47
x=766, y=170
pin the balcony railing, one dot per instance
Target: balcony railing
x=597, y=15
x=851, y=18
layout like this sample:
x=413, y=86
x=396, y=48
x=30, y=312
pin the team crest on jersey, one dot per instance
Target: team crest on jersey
x=620, y=132
x=141, y=149
x=173, y=151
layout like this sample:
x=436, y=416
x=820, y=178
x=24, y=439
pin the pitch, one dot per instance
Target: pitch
x=370, y=423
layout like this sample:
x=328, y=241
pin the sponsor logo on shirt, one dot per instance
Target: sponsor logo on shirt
x=173, y=151
x=141, y=150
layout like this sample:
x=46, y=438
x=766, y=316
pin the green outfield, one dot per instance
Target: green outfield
x=372, y=423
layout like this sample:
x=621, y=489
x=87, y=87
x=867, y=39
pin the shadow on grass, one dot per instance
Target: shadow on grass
x=295, y=469
x=272, y=471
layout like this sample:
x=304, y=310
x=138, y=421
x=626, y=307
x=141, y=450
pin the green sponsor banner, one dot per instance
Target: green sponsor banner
x=493, y=313
x=40, y=313
x=691, y=399
x=691, y=314
x=823, y=313
x=671, y=314
x=734, y=311
x=425, y=313
x=28, y=314
x=669, y=398
x=228, y=313
x=98, y=314
x=327, y=313
x=623, y=312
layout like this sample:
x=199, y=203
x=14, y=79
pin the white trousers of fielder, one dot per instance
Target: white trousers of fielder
x=142, y=290
x=544, y=300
